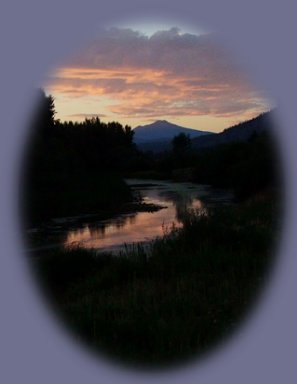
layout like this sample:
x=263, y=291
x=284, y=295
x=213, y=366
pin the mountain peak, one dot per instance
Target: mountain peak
x=161, y=122
x=162, y=130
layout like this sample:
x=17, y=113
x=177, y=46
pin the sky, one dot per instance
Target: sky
x=145, y=73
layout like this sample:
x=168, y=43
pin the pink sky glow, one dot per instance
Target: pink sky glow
x=135, y=79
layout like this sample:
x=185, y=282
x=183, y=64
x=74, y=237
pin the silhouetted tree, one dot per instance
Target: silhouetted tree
x=44, y=118
x=181, y=143
x=74, y=167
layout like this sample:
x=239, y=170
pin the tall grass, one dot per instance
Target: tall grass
x=172, y=300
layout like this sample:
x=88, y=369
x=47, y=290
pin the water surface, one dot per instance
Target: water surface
x=174, y=198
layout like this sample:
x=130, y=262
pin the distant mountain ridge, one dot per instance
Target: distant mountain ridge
x=162, y=131
x=157, y=137
x=237, y=133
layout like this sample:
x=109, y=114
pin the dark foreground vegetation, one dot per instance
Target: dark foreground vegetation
x=176, y=297
x=172, y=300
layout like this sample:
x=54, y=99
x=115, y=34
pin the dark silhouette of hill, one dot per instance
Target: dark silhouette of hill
x=243, y=158
x=157, y=137
x=162, y=130
x=238, y=133
x=155, y=146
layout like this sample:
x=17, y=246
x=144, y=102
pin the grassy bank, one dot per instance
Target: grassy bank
x=173, y=300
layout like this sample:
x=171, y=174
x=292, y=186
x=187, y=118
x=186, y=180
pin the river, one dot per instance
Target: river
x=173, y=198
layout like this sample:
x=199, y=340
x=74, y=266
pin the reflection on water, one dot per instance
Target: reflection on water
x=175, y=198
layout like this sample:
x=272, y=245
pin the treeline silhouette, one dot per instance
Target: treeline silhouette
x=249, y=167
x=73, y=167
x=86, y=145
x=76, y=168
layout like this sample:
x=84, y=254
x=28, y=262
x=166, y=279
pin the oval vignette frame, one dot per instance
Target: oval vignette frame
x=223, y=365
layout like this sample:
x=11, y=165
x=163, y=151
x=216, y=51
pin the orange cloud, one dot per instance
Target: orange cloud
x=167, y=74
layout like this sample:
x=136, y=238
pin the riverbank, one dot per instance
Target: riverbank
x=74, y=195
x=157, y=204
x=174, y=300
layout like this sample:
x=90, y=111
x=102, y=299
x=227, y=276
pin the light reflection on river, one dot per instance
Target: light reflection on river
x=175, y=198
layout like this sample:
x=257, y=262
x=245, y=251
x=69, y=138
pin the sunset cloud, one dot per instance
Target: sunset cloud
x=86, y=115
x=167, y=74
